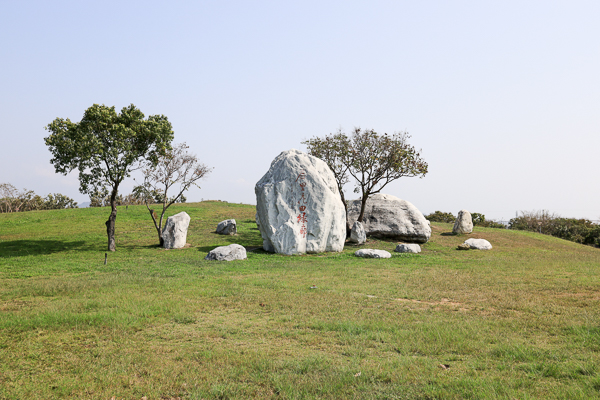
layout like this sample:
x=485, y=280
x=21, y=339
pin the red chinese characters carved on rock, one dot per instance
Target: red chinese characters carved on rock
x=302, y=218
x=303, y=200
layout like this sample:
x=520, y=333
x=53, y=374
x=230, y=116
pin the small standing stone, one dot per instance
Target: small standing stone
x=174, y=233
x=227, y=227
x=357, y=234
x=463, y=246
x=227, y=253
x=371, y=253
x=408, y=248
x=463, y=223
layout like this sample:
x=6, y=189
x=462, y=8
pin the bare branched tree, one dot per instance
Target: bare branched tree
x=175, y=173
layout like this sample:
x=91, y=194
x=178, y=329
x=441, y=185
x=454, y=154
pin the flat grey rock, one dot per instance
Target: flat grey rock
x=175, y=231
x=463, y=223
x=357, y=234
x=387, y=216
x=298, y=206
x=227, y=253
x=408, y=248
x=479, y=244
x=227, y=227
x=371, y=253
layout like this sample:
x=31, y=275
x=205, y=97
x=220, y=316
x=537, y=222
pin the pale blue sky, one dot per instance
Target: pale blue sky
x=503, y=97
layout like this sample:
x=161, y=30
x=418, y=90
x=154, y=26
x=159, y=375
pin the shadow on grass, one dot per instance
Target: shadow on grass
x=139, y=246
x=20, y=248
x=254, y=249
x=448, y=234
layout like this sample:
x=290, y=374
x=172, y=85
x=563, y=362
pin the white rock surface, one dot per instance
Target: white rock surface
x=175, y=231
x=298, y=206
x=357, y=234
x=463, y=223
x=408, y=248
x=371, y=253
x=387, y=216
x=227, y=227
x=479, y=244
x=227, y=253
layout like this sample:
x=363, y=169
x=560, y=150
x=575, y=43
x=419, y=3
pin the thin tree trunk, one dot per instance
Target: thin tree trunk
x=110, y=224
x=161, y=241
x=362, y=207
x=348, y=227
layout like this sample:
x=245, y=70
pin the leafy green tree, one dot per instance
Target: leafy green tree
x=58, y=201
x=105, y=147
x=373, y=160
x=166, y=181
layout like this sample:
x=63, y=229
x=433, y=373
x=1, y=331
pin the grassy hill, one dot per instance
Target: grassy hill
x=518, y=321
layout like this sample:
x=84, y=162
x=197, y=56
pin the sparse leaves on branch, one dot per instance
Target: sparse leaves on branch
x=373, y=160
x=331, y=149
x=166, y=181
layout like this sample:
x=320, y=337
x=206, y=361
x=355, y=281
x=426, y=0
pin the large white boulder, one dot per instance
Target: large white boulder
x=298, y=206
x=478, y=244
x=463, y=223
x=227, y=253
x=387, y=216
x=174, y=233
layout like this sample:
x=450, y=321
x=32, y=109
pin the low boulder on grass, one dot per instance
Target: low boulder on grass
x=227, y=227
x=227, y=253
x=408, y=248
x=478, y=244
x=372, y=253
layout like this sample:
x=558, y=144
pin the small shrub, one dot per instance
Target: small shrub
x=581, y=231
x=479, y=220
x=439, y=216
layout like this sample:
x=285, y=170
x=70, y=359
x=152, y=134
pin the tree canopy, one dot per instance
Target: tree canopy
x=105, y=146
x=373, y=160
x=331, y=150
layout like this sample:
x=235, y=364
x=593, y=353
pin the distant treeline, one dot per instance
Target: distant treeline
x=138, y=197
x=478, y=219
x=576, y=230
x=582, y=231
x=13, y=200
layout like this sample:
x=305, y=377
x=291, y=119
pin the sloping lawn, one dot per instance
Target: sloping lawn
x=519, y=321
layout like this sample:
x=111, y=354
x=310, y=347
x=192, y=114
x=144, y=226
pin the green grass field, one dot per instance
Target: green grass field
x=520, y=321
